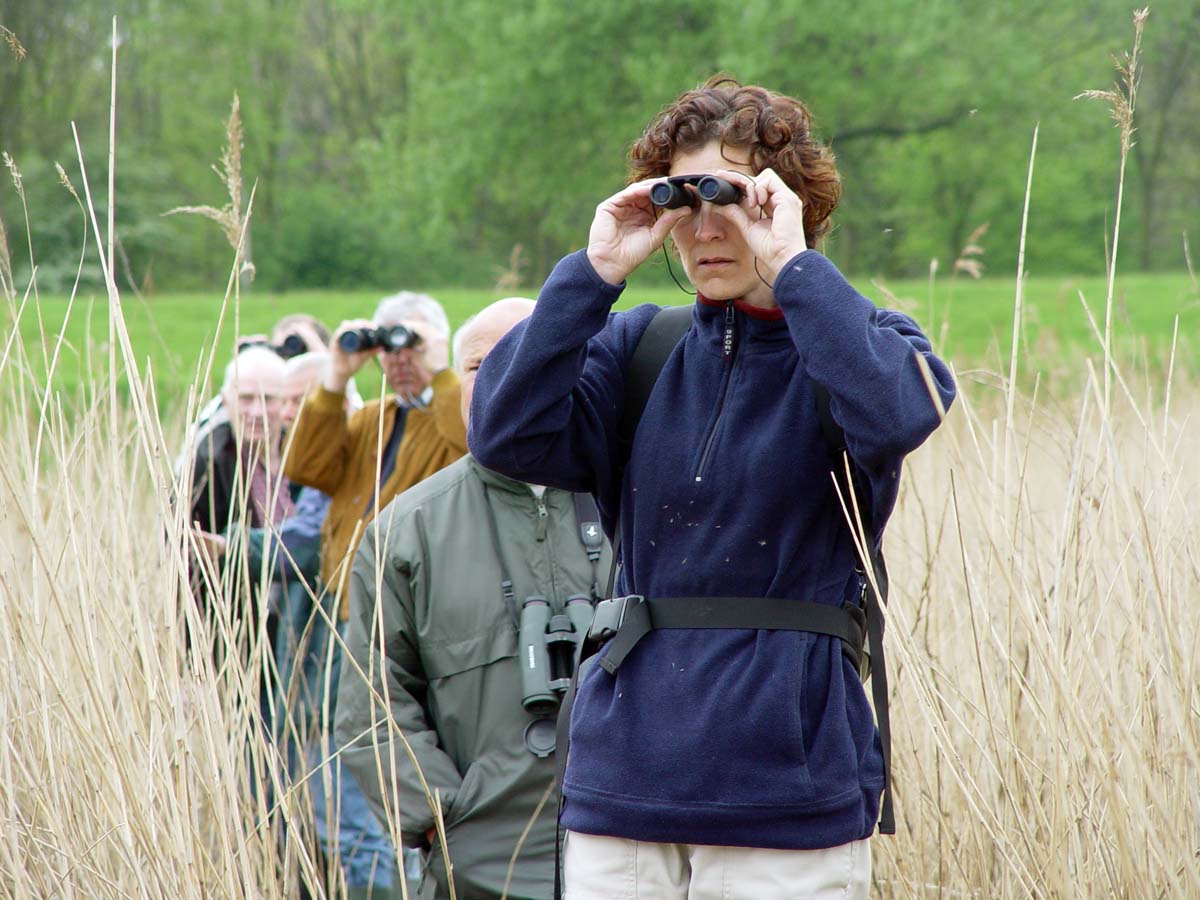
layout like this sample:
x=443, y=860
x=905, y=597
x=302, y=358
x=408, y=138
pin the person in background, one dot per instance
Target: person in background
x=311, y=332
x=292, y=336
x=739, y=761
x=390, y=444
x=297, y=532
x=362, y=462
x=237, y=482
x=454, y=559
x=290, y=550
x=238, y=460
x=287, y=555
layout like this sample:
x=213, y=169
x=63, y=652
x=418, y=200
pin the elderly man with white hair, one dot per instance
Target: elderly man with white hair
x=236, y=474
x=468, y=574
x=362, y=462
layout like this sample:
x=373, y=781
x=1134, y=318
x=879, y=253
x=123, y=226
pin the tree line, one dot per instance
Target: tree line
x=439, y=143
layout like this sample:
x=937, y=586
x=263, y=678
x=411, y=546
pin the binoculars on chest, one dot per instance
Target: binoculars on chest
x=548, y=647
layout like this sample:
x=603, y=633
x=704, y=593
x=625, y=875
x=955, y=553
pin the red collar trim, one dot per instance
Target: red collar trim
x=774, y=314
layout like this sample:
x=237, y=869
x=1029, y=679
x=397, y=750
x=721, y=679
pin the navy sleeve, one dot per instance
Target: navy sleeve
x=548, y=397
x=866, y=358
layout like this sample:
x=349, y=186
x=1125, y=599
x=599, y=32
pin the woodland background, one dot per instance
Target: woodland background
x=443, y=143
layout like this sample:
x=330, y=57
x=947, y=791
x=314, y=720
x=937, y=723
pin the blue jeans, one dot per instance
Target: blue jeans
x=363, y=848
x=361, y=844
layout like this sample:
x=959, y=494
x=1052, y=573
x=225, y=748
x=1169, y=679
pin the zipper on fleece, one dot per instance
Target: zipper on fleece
x=729, y=354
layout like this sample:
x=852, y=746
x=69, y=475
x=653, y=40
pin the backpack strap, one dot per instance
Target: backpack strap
x=591, y=535
x=664, y=332
x=856, y=490
x=661, y=336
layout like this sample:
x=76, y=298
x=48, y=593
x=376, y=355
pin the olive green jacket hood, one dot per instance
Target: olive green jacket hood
x=427, y=578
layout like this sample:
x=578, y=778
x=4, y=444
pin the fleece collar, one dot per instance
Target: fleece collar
x=758, y=330
x=774, y=314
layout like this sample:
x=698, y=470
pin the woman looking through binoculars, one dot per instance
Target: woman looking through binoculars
x=722, y=744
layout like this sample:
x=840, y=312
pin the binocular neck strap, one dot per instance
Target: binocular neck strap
x=588, y=518
x=591, y=535
x=506, y=583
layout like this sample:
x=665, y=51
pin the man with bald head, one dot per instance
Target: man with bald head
x=468, y=575
x=238, y=485
x=236, y=476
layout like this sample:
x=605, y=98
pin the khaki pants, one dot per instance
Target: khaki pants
x=605, y=868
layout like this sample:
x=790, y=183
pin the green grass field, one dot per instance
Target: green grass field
x=969, y=321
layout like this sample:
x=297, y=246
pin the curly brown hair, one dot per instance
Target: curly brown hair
x=776, y=129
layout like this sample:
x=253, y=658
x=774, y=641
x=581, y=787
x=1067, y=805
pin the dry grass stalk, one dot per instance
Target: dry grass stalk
x=508, y=278
x=1122, y=101
x=13, y=43
x=970, y=261
x=1019, y=300
x=232, y=217
x=16, y=311
x=19, y=183
x=8, y=284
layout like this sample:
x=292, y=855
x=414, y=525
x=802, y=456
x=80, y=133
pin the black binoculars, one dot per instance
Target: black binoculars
x=673, y=193
x=293, y=345
x=548, y=643
x=389, y=337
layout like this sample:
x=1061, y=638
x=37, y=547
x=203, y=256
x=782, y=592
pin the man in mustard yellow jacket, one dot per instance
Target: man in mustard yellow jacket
x=362, y=462
x=390, y=444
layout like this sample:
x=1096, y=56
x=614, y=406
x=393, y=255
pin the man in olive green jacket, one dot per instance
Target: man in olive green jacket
x=429, y=578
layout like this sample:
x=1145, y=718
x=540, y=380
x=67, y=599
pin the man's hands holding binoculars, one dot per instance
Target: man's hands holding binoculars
x=358, y=340
x=633, y=223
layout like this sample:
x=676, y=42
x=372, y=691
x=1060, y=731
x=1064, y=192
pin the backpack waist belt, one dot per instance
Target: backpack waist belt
x=626, y=620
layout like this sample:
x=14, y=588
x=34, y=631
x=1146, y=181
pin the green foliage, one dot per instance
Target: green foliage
x=393, y=143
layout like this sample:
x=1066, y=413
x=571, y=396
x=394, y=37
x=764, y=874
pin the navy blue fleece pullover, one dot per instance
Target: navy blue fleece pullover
x=738, y=737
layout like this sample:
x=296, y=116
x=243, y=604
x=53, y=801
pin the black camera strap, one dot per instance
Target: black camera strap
x=591, y=535
x=387, y=463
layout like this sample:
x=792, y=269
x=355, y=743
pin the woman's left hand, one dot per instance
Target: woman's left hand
x=770, y=217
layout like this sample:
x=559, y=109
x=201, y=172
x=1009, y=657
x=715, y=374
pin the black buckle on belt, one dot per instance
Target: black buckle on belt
x=622, y=622
x=610, y=616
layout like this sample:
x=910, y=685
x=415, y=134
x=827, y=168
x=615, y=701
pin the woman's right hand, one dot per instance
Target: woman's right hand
x=625, y=231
